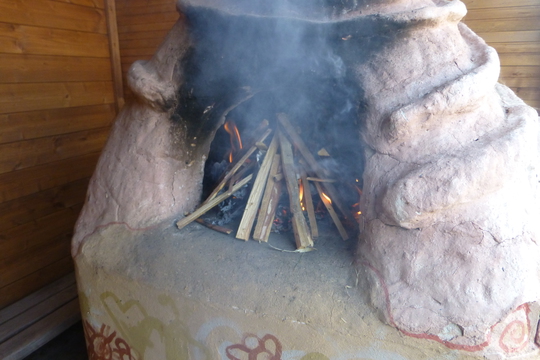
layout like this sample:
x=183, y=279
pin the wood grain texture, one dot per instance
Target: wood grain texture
x=523, y=59
x=128, y=60
x=53, y=14
x=169, y=17
x=519, y=71
x=513, y=29
x=35, y=298
x=517, y=47
x=157, y=35
x=34, y=259
x=116, y=66
x=509, y=12
x=57, y=102
x=28, y=181
x=494, y=37
x=24, y=239
x=489, y=4
x=145, y=26
x=88, y=3
x=144, y=43
x=28, y=284
x=45, y=96
x=28, y=153
x=24, y=39
x=501, y=25
x=122, y=4
x=157, y=7
x=142, y=52
x=32, y=208
x=42, y=123
x=521, y=82
x=23, y=321
x=17, y=68
x=527, y=94
x=41, y=332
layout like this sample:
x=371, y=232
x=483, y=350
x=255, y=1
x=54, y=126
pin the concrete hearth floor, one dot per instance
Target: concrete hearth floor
x=197, y=294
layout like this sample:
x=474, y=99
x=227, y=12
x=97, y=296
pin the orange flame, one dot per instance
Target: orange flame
x=236, y=141
x=301, y=194
x=326, y=197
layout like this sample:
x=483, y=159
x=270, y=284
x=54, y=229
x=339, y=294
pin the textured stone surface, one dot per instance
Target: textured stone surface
x=148, y=171
x=450, y=186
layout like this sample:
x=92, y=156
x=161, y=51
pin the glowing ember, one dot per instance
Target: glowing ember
x=356, y=209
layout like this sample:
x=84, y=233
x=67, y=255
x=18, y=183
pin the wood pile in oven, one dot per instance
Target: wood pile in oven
x=288, y=165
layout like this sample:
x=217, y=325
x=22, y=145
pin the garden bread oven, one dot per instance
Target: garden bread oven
x=445, y=263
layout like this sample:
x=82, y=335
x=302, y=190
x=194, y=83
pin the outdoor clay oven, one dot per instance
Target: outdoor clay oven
x=395, y=100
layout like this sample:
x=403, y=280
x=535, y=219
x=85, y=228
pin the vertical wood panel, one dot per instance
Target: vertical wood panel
x=57, y=101
x=24, y=39
x=28, y=181
x=53, y=14
x=29, y=153
x=25, y=210
x=44, y=96
x=88, y=3
x=513, y=29
x=110, y=10
x=27, y=284
x=39, y=68
x=45, y=123
x=142, y=27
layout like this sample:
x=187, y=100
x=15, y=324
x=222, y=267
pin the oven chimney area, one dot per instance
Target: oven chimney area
x=372, y=135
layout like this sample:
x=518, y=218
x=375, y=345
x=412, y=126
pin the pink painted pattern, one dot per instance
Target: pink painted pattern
x=103, y=344
x=254, y=348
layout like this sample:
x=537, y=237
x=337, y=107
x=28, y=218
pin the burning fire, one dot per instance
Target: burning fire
x=301, y=194
x=326, y=197
x=236, y=141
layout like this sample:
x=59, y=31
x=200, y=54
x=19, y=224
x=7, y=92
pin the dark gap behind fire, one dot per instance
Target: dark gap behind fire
x=291, y=66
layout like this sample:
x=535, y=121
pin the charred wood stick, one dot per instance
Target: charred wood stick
x=217, y=228
x=267, y=210
x=209, y=205
x=313, y=164
x=328, y=204
x=309, y=205
x=300, y=227
x=235, y=168
x=254, y=200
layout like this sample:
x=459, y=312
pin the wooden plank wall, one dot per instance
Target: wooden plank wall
x=142, y=26
x=512, y=27
x=57, y=102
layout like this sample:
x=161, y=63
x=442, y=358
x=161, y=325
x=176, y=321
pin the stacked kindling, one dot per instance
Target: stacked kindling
x=279, y=169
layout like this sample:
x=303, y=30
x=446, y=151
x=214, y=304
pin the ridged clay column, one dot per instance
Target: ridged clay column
x=450, y=233
x=149, y=171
